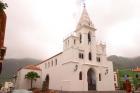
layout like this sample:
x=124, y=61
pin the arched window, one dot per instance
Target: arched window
x=89, y=37
x=90, y=56
x=68, y=42
x=52, y=63
x=80, y=76
x=48, y=64
x=46, y=82
x=55, y=61
x=99, y=77
x=81, y=55
x=74, y=41
x=98, y=59
x=114, y=77
x=115, y=85
x=80, y=38
x=45, y=65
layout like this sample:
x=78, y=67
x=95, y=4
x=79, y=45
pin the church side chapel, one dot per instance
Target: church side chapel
x=81, y=66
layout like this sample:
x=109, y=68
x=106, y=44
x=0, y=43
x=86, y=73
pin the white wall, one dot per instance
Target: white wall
x=63, y=77
x=107, y=83
x=23, y=83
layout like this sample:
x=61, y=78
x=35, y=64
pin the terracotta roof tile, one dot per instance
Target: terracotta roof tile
x=33, y=67
x=136, y=70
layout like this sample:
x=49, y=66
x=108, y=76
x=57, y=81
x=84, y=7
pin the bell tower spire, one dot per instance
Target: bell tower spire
x=84, y=19
x=84, y=4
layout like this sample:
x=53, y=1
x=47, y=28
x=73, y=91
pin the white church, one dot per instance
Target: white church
x=81, y=66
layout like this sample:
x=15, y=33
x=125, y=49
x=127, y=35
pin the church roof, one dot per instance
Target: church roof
x=136, y=70
x=85, y=19
x=49, y=58
x=32, y=67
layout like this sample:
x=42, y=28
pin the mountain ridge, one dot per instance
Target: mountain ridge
x=11, y=65
x=124, y=62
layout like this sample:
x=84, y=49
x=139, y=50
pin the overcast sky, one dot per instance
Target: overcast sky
x=36, y=28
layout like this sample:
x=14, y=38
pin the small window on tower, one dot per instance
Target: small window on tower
x=81, y=55
x=80, y=38
x=99, y=77
x=80, y=76
x=74, y=41
x=90, y=56
x=89, y=37
x=98, y=59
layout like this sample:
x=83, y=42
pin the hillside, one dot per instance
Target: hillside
x=10, y=67
x=124, y=62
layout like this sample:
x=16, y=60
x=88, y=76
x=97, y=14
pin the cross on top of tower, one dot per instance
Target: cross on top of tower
x=83, y=2
x=84, y=20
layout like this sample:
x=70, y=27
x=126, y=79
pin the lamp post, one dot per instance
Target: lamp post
x=2, y=32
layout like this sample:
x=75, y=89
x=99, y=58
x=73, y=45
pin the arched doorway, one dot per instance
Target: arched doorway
x=45, y=85
x=91, y=79
x=47, y=81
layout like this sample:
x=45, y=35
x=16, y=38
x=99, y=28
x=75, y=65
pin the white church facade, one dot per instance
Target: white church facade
x=81, y=66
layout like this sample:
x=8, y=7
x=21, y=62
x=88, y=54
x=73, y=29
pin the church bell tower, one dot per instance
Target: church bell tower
x=86, y=31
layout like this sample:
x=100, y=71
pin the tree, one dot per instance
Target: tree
x=3, y=5
x=32, y=76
